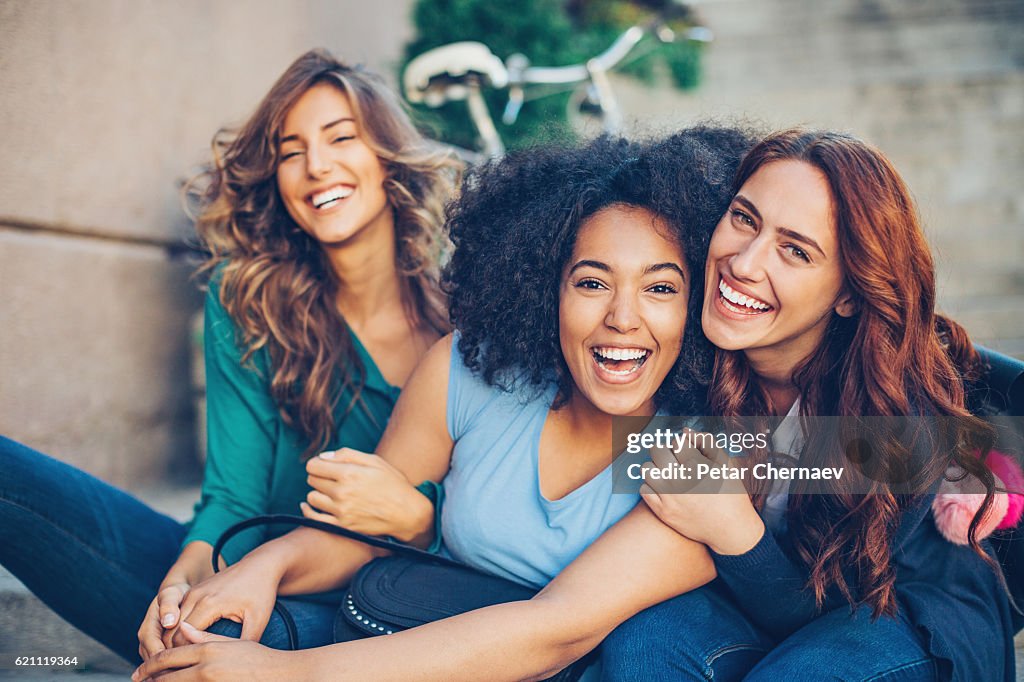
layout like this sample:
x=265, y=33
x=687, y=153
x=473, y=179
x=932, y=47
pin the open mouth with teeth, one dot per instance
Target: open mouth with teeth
x=736, y=302
x=620, y=361
x=331, y=197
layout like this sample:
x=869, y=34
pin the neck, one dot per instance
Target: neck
x=582, y=418
x=776, y=378
x=368, y=277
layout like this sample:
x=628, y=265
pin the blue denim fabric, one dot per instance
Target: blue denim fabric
x=314, y=625
x=695, y=636
x=92, y=553
x=702, y=635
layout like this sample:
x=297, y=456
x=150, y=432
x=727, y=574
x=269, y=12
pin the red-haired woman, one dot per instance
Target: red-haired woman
x=820, y=292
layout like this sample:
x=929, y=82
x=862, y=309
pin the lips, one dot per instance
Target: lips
x=328, y=198
x=619, y=361
x=740, y=303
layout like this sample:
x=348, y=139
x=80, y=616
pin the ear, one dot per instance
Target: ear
x=845, y=305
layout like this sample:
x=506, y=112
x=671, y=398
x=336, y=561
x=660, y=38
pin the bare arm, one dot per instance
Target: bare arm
x=637, y=563
x=416, y=442
x=359, y=491
x=306, y=560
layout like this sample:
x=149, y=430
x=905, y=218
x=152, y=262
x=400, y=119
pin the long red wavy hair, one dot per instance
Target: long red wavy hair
x=894, y=357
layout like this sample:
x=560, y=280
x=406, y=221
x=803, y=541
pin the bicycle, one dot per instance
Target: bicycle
x=460, y=72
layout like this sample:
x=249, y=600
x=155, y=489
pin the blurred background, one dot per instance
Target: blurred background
x=106, y=106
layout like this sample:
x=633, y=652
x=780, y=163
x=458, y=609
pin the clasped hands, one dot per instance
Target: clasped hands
x=352, y=489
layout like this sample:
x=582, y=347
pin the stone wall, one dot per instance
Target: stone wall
x=937, y=84
x=106, y=106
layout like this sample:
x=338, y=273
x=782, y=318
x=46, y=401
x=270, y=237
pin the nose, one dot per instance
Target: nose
x=748, y=263
x=317, y=162
x=623, y=314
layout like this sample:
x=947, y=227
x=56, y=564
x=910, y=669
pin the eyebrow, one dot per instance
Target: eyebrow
x=324, y=127
x=785, y=231
x=804, y=239
x=604, y=267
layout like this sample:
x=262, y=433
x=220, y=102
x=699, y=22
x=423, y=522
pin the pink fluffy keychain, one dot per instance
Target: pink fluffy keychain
x=956, y=502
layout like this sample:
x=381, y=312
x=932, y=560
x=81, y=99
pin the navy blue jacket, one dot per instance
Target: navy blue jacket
x=947, y=590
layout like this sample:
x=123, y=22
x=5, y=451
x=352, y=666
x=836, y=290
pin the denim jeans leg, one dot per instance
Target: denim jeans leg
x=314, y=625
x=844, y=646
x=699, y=635
x=92, y=553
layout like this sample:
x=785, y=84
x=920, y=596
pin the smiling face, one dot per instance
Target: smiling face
x=774, y=276
x=331, y=182
x=622, y=309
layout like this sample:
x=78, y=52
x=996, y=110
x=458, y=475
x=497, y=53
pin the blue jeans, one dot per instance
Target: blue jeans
x=89, y=551
x=96, y=555
x=702, y=635
x=313, y=621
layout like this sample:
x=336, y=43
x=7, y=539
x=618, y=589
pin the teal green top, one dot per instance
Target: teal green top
x=253, y=460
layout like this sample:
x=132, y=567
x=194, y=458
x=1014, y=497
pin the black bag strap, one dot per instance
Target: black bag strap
x=292, y=520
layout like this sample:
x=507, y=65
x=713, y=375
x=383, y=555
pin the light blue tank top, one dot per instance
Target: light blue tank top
x=494, y=516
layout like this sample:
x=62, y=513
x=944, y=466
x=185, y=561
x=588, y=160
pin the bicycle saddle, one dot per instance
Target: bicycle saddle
x=442, y=74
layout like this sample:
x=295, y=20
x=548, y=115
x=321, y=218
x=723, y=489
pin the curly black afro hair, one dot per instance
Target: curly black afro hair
x=515, y=225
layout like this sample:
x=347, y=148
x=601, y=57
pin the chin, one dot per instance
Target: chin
x=622, y=409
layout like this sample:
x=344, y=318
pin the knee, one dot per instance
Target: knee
x=635, y=650
x=696, y=636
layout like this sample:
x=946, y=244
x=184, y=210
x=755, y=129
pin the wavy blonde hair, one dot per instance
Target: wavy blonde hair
x=275, y=280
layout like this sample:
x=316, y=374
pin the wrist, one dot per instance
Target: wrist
x=419, y=522
x=272, y=559
x=742, y=536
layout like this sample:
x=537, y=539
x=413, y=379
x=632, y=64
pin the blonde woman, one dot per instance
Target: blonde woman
x=322, y=214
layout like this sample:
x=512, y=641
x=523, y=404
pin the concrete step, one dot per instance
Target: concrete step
x=29, y=628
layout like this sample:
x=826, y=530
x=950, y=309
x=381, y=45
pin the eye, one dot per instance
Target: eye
x=342, y=138
x=663, y=288
x=290, y=155
x=740, y=217
x=592, y=284
x=797, y=252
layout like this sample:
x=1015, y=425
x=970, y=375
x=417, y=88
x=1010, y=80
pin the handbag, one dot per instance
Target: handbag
x=411, y=587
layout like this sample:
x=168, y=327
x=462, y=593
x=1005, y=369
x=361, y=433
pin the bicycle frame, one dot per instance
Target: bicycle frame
x=460, y=71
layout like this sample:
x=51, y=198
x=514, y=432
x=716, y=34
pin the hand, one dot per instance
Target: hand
x=161, y=617
x=715, y=511
x=212, y=657
x=364, y=493
x=244, y=593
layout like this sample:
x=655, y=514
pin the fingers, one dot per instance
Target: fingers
x=322, y=502
x=168, y=601
x=662, y=457
x=166, y=660
x=350, y=456
x=196, y=636
x=150, y=633
x=161, y=618
x=253, y=626
x=333, y=464
x=311, y=513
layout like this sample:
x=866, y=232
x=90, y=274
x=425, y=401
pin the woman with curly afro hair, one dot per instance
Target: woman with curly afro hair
x=574, y=290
